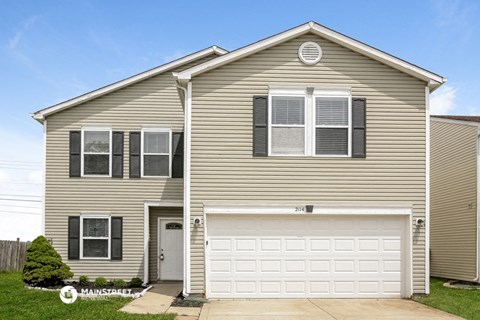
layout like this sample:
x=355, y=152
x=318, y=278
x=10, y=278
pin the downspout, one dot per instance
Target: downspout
x=427, y=190
x=186, y=188
x=477, y=279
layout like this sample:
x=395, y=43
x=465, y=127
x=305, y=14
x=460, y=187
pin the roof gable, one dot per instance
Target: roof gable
x=41, y=114
x=433, y=80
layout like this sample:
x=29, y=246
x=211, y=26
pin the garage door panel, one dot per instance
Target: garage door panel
x=268, y=261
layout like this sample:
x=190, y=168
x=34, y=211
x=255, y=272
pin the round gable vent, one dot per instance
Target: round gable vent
x=310, y=53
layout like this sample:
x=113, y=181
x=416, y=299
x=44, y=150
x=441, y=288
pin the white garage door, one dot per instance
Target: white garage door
x=274, y=256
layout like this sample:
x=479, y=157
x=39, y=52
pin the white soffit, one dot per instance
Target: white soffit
x=41, y=114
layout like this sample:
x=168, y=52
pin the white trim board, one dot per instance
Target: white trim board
x=433, y=80
x=454, y=121
x=41, y=114
x=300, y=210
x=427, y=190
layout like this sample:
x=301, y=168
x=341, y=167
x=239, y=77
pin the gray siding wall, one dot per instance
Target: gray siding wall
x=223, y=168
x=153, y=101
x=453, y=188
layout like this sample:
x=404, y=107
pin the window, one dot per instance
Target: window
x=331, y=126
x=288, y=125
x=310, y=122
x=96, y=151
x=95, y=237
x=156, y=152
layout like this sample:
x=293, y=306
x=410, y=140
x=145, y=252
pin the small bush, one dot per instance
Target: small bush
x=119, y=283
x=44, y=266
x=83, y=280
x=136, y=282
x=100, y=282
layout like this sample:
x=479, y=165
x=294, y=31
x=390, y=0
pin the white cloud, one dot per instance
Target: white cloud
x=35, y=176
x=26, y=25
x=442, y=101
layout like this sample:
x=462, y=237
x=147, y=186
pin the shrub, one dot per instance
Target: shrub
x=119, y=283
x=136, y=282
x=83, y=280
x=44, y=266
x=100, y=282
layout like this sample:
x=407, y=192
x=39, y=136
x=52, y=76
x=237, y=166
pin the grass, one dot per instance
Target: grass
x=16, y=302
x=461, y=302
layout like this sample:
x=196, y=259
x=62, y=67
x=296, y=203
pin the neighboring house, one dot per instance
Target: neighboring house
x=296, y=166
x=454, y=217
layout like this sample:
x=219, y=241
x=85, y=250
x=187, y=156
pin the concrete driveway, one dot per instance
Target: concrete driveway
x=316, y=309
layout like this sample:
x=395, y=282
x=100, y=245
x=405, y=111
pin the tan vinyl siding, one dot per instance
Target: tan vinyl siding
x=453, y=188
x=153, y=101
x=155, y=213
x=223, y=168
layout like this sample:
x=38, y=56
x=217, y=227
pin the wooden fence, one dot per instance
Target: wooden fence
x=12, y=254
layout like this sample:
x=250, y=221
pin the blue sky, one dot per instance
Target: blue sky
x=51, y=51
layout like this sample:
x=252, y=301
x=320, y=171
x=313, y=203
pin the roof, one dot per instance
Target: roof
x=459, y=118
x=434, y=80
x=41, y=114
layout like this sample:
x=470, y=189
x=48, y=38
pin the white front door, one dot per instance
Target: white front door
x=170, y=249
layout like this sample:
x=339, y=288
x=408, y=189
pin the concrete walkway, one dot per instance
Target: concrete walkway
x=158, y=300
x=320, y=309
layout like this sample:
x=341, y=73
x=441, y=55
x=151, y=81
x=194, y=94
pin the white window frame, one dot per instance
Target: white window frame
x=93, y=215
x=82, y=152
x=287, y=93
x=142, y=153
x=348, y=126
x=310, y=118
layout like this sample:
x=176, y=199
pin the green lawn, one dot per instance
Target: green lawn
x=462, y=302
x=16, y=302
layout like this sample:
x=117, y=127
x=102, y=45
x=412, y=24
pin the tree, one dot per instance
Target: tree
x=44, y=266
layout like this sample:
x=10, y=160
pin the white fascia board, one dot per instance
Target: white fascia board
x=41, y=114
x=454, y=121
x=242, y=52
x=433, y=80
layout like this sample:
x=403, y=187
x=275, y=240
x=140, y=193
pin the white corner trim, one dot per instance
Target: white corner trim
x=431, y=78
x=146, y=239
x=186, y=189
x=300, y=210
x=454, y=121
x=44, y=191
x=41, y=114
x=427, y=190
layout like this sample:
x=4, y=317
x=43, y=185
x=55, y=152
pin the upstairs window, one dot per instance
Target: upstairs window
x=156, y=152
x=309, y=122
x=288, y=125
x=96, y=151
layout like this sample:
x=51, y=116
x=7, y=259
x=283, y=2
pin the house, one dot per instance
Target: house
x=295, y=166
x=454, y=218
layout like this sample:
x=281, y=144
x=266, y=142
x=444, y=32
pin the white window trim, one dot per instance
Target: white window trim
x=82, y=153
x=309, y=121
x=93, y=215
x=348, y=126
x=166, y=130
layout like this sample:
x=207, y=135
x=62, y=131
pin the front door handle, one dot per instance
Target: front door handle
x=162, y=257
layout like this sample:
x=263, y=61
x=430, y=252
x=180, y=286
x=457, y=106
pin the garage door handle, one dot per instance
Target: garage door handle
x=162, y=257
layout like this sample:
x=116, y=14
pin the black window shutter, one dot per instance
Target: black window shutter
x=75, y=145
x=135, y=154
x=359, y=122
x=73, y=238
x=116, y=242
x=177, y=156
x=117, y=155
x=260, y=126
